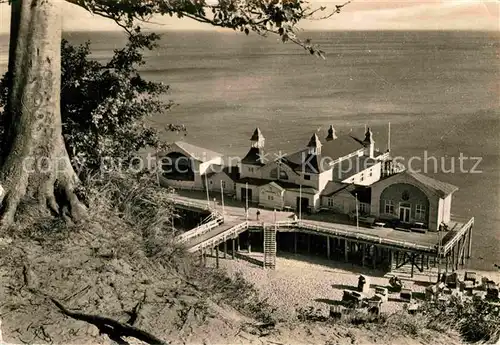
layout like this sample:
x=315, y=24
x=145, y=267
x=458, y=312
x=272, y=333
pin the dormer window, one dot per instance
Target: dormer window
x=283, y=175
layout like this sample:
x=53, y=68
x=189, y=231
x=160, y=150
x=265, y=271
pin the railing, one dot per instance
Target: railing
x=218, y=220
x=301, y=225
x=219, y=238
x=202, y=229
x=455, y=238
x=364, y=237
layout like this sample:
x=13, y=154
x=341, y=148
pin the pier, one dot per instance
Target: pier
x=379, y=247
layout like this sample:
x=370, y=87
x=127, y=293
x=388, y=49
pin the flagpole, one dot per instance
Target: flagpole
x=222, y=198
x=300, y=202
x=389, y=138
x=357, y=217
x=246, y=201
x=206, y=185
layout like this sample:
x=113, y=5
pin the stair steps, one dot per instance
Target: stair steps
x=270, y=247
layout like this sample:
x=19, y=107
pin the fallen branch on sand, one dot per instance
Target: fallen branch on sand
x=113, y=329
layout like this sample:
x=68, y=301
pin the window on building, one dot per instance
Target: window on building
x=250, y=169
x=389, y=207
x=223, y=184
x=283, y=175
x=362, y=177
x=420, y=212
x=270, y=197
x=274, y=173
x=364, y=208
x=307, y=177
x=371, y=172
x=330, y=202
x=211, y=182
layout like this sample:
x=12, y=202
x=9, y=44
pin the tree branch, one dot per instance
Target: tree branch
x=114, y=329
x=277, y=17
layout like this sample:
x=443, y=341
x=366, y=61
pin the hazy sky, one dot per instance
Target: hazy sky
x=359, y=15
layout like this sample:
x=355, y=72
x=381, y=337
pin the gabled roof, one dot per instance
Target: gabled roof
x=442, y=189
x=330, y=151
x=253, y=181
x=333, y=187
x=254, y=157
x=232, y=172
x=296, y=188
x=198, y=153
x=277, y=186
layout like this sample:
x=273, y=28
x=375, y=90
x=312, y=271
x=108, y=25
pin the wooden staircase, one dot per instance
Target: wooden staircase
x=270, y=247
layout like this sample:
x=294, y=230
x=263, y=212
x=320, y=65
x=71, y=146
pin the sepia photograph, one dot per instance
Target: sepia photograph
x=252, y=172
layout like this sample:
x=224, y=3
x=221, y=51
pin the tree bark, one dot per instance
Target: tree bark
x=36, y=166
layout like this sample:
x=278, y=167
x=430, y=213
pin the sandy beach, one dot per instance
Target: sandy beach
x=300, y=281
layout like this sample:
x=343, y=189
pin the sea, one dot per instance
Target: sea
x=440, y=92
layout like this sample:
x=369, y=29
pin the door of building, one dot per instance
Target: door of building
x=302, y=204
x=244, y=194
x=404, y=213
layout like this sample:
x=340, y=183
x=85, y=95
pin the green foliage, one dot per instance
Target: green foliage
x=104, y=105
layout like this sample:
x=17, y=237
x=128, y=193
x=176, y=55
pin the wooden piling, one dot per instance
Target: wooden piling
x=412, y=264
x=452, y=258
x=328, y=247
x=249, y=243
x=469, y=251
x=217, y=256
x=374, y=257
x=308, y=243
x=233, y=248
x=346, y=250
x=362, y=249
x=225, y=248
x=295, y=242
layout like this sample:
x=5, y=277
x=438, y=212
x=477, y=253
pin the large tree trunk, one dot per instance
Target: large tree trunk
x=36, y=166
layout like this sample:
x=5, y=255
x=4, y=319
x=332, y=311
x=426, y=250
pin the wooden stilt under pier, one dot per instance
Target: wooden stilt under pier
x=249, y=243
x=295, y=242
x=469, y=251
x=233, y=248
x=346, y=250
x=225, y=248
x=328, y=247
x=362, y=248
x=217, y=256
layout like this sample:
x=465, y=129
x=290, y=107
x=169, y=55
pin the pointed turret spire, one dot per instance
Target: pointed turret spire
x=314, y=145
x=257, y=139
x=331, y=134
x=368, y=137
x=369, y=143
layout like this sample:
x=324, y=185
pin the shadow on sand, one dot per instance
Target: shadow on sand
x=329, y=301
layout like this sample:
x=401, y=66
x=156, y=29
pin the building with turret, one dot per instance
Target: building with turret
x=341, y=174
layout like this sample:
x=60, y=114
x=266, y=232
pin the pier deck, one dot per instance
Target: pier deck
x=234, y=222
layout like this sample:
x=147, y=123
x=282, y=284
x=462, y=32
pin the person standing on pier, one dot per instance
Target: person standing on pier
x=258, y=214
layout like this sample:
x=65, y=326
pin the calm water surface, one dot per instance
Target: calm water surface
x=439, y=90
